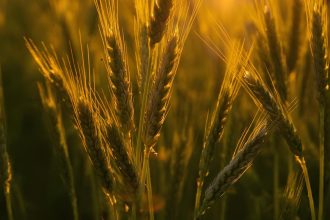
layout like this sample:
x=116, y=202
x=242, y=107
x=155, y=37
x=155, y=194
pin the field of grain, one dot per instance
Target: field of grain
x=164, y=109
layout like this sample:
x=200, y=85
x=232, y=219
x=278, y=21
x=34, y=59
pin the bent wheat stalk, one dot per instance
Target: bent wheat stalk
x=276, y=112
x=56, y=127
x=228, y=92
x=319, y=47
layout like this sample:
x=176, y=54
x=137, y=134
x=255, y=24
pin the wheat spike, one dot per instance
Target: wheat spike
x=159, y=20
x=274, y=110
x=116, y=63
x=121, y=157
x=275, y=54
x=228, y=92
x=319, y=47
x=50, y=68
x=160, y=94
x=88, y=128
x=246, y=152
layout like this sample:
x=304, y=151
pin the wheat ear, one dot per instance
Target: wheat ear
x=121, y=157
x=86, y=121
x=159, y=20
x=246, y=152
x=319, y=46
x=275, y=54
x=50, y=68
x=228, y=92
x=274, y=110
x=116, y=63
x=160, y=94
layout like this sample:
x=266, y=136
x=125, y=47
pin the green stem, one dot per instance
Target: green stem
x=223, y=207
x=200, y=182
x=9, y=207
x=276, y=183
x=133, y=214
x=321, y=177
x=142, y=110
x=302, y=164
x=72, y=189
x=145, y=172
x=7, y=187
x=149, y=192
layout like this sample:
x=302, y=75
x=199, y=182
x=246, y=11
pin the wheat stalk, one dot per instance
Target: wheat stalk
x=55, y=123
x=228, y=92
x=276, y=112
x=5, y=163
x=319, y=47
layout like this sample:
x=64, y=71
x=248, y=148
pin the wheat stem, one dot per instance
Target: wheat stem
x=5, y=164
x=320, y=55
x=55, y=123
x=276, y=176
x=302, y=163
x=321, y=163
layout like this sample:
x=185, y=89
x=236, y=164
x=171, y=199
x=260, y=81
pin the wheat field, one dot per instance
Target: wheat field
x=164, y=109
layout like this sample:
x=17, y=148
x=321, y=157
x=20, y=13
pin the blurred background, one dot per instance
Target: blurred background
x=38, y=191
